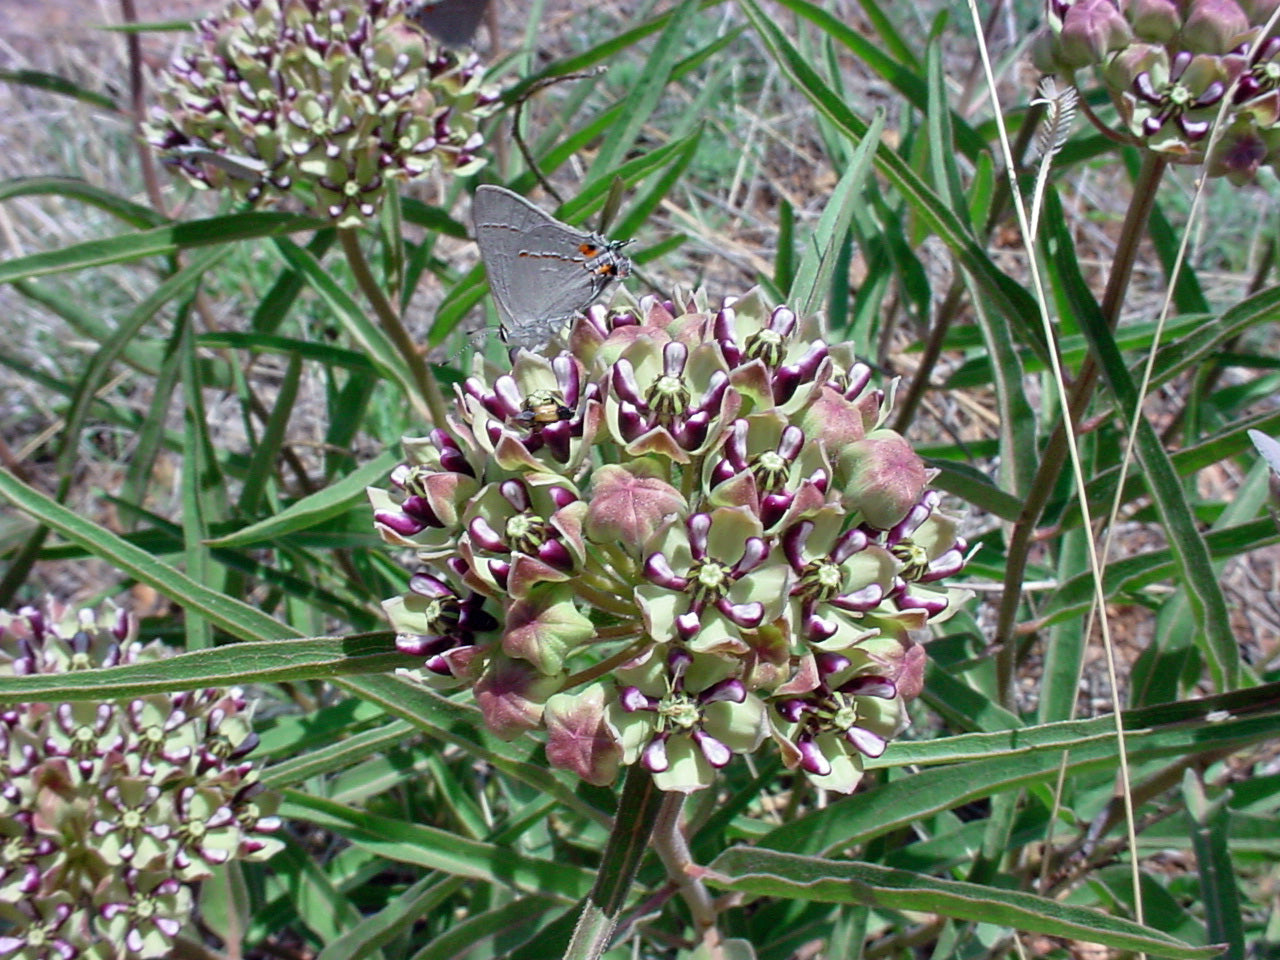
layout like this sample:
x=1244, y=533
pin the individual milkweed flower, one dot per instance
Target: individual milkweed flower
x=684, y=716
x=111, y=812
x=838, y=709
x=1167, y=65
x=655, y=535
x=346, y=100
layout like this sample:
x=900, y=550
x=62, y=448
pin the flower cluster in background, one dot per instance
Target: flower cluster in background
x=1168, y=64
x=345, y=98
x=686, y=534
x=111, y=812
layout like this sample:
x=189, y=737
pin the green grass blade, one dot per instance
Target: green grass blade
x=354, y=318
x=269, y=661
x=52, y=83
x=903, y=73
x=1018, y=758
x=289, y=347
x=394, y=920
x=203, y=490
x=1131, y=573
x=1001, y=292
x=1218, y=890
x=267, y=450
x=442, y=850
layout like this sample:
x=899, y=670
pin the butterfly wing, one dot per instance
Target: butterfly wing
x=452, y=22
x=541, y=271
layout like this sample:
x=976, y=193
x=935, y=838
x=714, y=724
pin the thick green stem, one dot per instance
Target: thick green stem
x=389, y=317
x=1055, y=455
x=632, y=826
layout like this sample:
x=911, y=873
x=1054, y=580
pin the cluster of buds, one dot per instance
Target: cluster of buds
x=346, y=98
x=684, y=535
x=1171, y=66
x=110, y=813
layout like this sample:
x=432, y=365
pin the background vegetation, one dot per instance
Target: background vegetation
x=188, y=419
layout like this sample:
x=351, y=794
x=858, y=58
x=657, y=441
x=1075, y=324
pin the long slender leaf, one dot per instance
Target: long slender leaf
x=157, y=242
x=1190, y=552
x=764, y=873
x=818, y=259
x=52, y=83
x=134, y=214
x=646, y=92
x=238, y=619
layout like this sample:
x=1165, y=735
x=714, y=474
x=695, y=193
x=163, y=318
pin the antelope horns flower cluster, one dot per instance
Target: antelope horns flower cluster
x=684, y=535
x=1168, y=64
x=346, y=98
x=111, y=812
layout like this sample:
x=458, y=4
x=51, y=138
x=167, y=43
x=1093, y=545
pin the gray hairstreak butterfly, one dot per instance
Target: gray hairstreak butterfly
x=452, y=22
x=541, y=271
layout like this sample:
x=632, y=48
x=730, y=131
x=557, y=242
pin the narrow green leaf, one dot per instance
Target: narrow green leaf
x=646, y=92
x=158, y=242
x=151, y=435
x=393, y=920
x=332, y=501
x=1218, y=890
x=441, y=850
x=267, y=450
x=288, y=346
x=354, y=318
x=1214, y=636
x=273, y=309
x=763, y=873
x=267, y=661
x=1131, y=573
x=319, y=904
x=52, y=83
x=817, y=261
x=201, y=488
x=902, y=76
x=134, y=214
x=972, y=485
x=238, y=619
x=1002, y=293
x=507, y=924
x=1017, y=758
x=334, y=757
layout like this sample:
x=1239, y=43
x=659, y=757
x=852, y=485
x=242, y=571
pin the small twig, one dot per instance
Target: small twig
x=515, y=122
x=138, y=106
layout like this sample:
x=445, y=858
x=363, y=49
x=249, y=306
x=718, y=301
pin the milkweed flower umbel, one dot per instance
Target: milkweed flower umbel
x=685, y=535
x=111, y=812
x=347, y=99
x=1168, y=65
